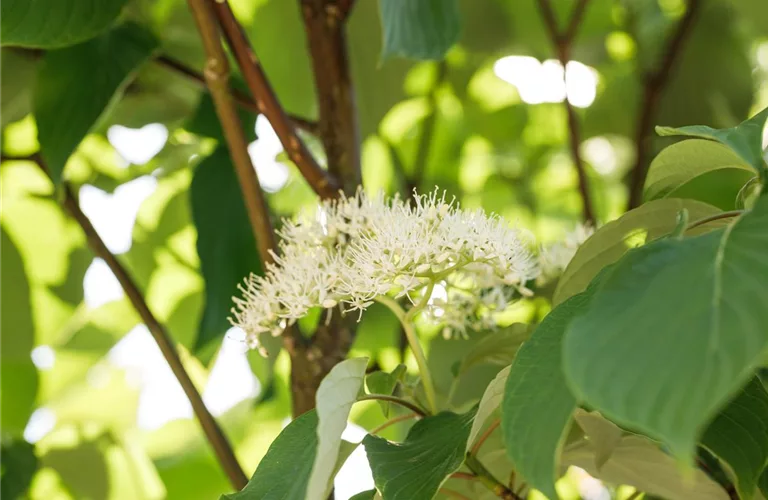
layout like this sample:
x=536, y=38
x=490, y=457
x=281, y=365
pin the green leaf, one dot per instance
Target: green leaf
x=18, y=375
x=739, y=436
x=419, y=29
x=283, y=473
x=745, y=139
x=16, y=82
x=488, y=403
x=415, y=468
x=603, y=435
x=364, y=495
x=19, y=466
x=637, y=462
x=225, y=244
x=55, y=23
x=538, y=404
x=335, y=396
x=681, y=162
x=384, y=383
x=71, y=95
x=609, y=243
x=497, y=348
x=763, y=483
x=685, y=317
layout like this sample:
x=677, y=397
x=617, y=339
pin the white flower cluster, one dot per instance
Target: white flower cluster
x=554, y=258
x=356, y=249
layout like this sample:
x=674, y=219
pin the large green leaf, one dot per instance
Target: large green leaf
x=674, y=331
x=538, y=404
x=609, y=243
x=415, y=468
x=55, y=23
x=763, y=483
x=77, y=84
x=488, y=403
x=739, y=436
x=19, y=466
x=497, y=347
x=419, y=29
x=335, y=396
x=225, y=244
x=18, y=374
x=686, y=160
x=637, y=462
x=746, y=139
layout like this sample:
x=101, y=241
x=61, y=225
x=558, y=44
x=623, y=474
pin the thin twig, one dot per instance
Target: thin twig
x=321, y=181
x=239, y=96
x=211, y=429
x=484, y=437
x=654, y=84
x=453, y=494
x=394, y=399
x=463, y=475
x=562, y=42
x=394, y=421
x=711, y=218
x=427, y=135
x=634, y=495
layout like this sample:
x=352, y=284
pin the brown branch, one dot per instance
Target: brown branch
x=242, y=99
x=211, y=429
x=394, y=421
x=345, y=8
x=339, y=131
x=418, y=410
x=562, y=42
x=654, y=84
x=484, y=437
x=322, y=182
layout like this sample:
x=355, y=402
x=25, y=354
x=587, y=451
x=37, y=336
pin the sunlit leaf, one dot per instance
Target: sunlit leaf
x=418, y=466
x=68, y=100
x=696, y=307
x=55, y=23
x=384, y=383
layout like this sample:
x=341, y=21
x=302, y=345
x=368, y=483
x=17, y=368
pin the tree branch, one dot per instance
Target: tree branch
x=562, y=42
x=323, y=183
x=654, y=84
x=211, y=429
x=242, y=99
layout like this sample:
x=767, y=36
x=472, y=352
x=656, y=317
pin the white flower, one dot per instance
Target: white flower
x=554, y=258
x=355, y=249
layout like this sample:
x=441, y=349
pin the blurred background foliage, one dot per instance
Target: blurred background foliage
x=89, y=408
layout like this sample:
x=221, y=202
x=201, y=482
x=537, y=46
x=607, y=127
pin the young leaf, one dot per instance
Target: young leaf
x=76, y=85
x=384, y=383
x=674, y=331
x=745, y=139
x=55, y=23
x=537, y=404
x=739, y=436
x=490, y=401
x=609, y=243
x=497, y=348
x=419, y=29
x=415, y=468
x=637, y=462
x=225, y=244
x=604, y=436
x=686, y=160
x=335, y=396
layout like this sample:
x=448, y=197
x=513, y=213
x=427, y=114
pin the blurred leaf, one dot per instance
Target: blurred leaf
x=739, y=436
x=490, y=401
x=224, y=242
x=19, y=375
x=205, y=121
x=335, y=396
x=384, y=383
x=417, y=467
x=537, y=403
x=499, y=347
x=719, y=188
x=698, y=301
x=609, y=243
x=419, y=29
x=764, y=483
x=637, y=462
x=745, y=139
x=56, y=23
x=680, y=163
x=68, y=100
x=603, y=435
x=83, y=469
x=16, y=81
x=19, y=466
